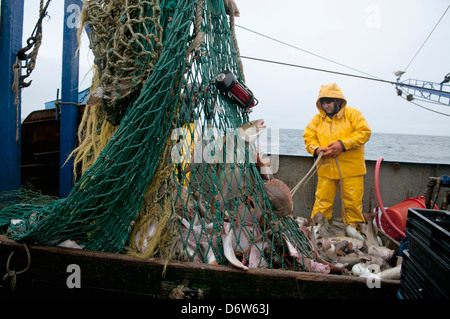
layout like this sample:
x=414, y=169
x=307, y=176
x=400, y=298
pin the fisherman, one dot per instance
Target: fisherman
x=340, y=132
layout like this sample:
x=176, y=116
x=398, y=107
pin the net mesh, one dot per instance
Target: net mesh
x=168, y=181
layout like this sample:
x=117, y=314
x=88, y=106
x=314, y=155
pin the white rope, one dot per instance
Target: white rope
x=308, y=175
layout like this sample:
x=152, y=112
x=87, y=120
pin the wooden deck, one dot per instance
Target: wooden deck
x=106, y=275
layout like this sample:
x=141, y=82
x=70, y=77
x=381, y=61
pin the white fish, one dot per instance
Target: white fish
x=255, y=259
x=250, y=131
x=210, y=257
x=311, y=265
x=301, y=221
x=316, y=267
x=391, y=273
x=383, y=252
x=294, y=252
x=195, y=236
x=229, y=242
x=352, y=232
x=150, y=231
x=69, y=243
x=357, y=243
x=360, y=269
x=369, y=230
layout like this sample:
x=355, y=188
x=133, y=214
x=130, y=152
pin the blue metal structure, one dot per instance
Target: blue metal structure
x=10, y=42
x=12, y=12
x=69, y=94
x=432, y=91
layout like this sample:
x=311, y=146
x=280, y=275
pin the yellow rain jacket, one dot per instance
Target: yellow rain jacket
x=349, y=126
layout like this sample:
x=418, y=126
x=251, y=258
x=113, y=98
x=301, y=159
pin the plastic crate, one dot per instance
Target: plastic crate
x=416, y=283
x=431, y=229
x=426, y=263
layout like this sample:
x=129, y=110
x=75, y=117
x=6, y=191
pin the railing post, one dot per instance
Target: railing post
x=69, y=94
x=10, y=111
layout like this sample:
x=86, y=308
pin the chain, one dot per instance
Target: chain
x=33, y=42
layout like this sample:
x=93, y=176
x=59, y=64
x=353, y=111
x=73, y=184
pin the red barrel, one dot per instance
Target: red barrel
x=398, y=215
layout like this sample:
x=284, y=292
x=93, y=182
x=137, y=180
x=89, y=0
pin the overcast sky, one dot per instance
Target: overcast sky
x=377, y=37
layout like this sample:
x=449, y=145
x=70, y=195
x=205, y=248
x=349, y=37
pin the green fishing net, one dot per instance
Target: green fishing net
x=159, y=187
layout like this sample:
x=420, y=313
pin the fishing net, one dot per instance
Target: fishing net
x=176, y=179
x=125, y=38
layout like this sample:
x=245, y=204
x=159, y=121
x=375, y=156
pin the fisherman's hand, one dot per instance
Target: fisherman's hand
x=325, y=151
x=335, y=149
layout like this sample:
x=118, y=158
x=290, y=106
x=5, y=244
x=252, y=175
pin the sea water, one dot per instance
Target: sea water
x=392, y=147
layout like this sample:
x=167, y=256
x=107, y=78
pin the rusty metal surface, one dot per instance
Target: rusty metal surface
x=40, y=150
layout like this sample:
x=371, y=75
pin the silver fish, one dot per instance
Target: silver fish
x=356, y=243
x=360, y=269
x=383, y=252
x=149, y=232
x=336, y=227
x=250, y=131
x=320, y=226
x=369, y=230
x=69, y=243
x=255, y=258
x=352, y=232
x=229, y=243
x=196, y=239
x=393, y=273
x=310, y=264
x=349, y=261
x=316, y=267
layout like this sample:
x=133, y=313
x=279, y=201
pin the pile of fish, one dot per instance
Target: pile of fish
x=341, y=249
x=241, y=233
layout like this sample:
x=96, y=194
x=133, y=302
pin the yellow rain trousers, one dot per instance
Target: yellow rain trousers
x=351, y=128
x=187, y=142
x=353, y=191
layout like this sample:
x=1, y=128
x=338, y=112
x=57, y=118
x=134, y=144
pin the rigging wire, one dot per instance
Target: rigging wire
x=427, y=38
x=306, y=51
x=422, y=100
x=371, y=77
x=350, y=75
x=429, y=101
x=426, y=108
x=338, y=73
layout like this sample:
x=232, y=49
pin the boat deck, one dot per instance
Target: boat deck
x=117, y=275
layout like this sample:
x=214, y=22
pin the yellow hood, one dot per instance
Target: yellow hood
x=330, y=90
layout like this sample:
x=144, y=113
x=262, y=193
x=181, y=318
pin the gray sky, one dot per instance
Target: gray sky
x=377, y=37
